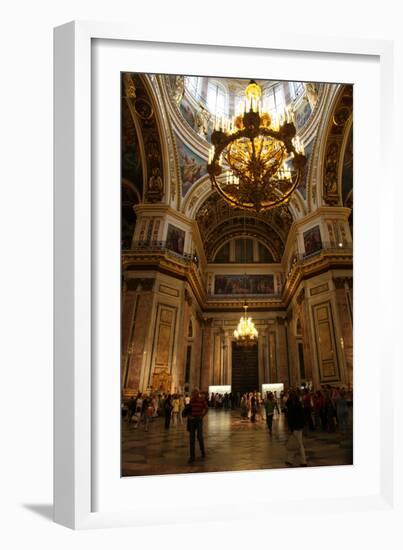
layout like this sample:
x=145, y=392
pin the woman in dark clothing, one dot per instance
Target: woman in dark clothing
x=296, y=421
x=253, y=408
x=168, y=411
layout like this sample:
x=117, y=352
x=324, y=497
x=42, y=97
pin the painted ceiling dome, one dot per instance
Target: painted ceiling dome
x=223, y=97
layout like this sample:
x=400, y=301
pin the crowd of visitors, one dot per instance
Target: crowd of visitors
x=142, y=408
x=305, y=410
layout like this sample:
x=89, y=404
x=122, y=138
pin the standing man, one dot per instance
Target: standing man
x=269, y=406
x=198, y=409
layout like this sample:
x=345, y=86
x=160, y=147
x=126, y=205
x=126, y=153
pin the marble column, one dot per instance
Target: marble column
x=228, y=370
x=345, y=326
x=282, y=352
x=217, y=357
x=198, y=344
x=142, y=327
x=181, y=344
x=307, y=337
x=262, y=357
x=127, y=323
x=206, y=363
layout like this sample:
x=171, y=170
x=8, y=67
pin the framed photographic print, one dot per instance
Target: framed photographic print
x=204, y=265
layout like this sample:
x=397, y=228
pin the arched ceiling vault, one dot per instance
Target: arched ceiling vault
x=217, y=221
x=226, y=232
x=326, y=163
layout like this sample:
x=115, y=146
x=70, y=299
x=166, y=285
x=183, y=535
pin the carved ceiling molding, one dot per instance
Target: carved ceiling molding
x=213, y=211
x=330, y=148
x=139, y=97
x=316, y=159
x=164, y=99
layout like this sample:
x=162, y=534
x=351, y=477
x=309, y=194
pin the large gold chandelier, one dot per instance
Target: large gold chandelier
x=256, y=160
x=246, y=334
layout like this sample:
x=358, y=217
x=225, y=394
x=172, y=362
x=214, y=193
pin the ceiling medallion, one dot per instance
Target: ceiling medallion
x=256, y=160
x=246, y=334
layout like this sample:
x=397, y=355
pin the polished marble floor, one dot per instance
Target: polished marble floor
x=231, y=444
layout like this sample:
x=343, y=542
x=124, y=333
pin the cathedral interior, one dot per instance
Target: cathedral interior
x=191, y=260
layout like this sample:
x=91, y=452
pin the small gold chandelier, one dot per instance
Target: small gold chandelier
x=256, y=160
x=246, y=334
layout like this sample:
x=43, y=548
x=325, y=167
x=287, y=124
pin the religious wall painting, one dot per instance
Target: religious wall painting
x=302, y=114
x=302, y=184
x=244, y=285
x=187, y=112
x=312, y=240
x=192, y=167
x=175, y=239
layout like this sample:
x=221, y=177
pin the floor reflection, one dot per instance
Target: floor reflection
x=231, y=444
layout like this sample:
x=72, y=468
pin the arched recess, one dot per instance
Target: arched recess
x=263, y=254
x=129, y=198
x=224, y=233
x=217, y=222
x=146, y=110
x=325, y=178
x=133, y=161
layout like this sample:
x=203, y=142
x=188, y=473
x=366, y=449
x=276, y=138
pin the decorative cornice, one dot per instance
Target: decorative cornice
x=187, y=271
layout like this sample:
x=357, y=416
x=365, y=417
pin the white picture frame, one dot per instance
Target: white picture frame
x=87, y=491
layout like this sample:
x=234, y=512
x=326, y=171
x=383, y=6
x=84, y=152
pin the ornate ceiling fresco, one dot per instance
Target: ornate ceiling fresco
x=193, y=122
x=162, y=117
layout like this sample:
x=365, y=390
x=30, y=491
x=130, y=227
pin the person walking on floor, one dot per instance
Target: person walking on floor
x=198, y=410
x=253, y=407
x=168, y=411
x=269, y=406
x=296, y=421
x=131, y=409
x=181, y=407
x=175, y=410
x=342, y=411
x=139, y=410
x=148, y=414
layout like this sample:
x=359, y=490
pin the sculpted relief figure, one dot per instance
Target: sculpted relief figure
x=331, y=169
x=179, y=88
x=202, y=119
x=130, y=88
x=311, y=93
x=155, y=187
